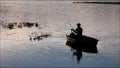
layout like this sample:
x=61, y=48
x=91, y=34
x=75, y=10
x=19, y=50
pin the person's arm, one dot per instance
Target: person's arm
x=72, y=29
x=75, y=30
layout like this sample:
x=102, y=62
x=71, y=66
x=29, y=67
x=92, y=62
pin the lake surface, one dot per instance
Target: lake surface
x=100, y=21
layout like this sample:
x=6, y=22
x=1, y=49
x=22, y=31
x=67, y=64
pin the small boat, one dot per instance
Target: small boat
x=84, y=42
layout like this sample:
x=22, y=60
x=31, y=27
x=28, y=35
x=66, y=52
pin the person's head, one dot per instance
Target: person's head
x=78, y=25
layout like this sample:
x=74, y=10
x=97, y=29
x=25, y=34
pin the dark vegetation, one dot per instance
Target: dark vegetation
x=33, y=36
x=20, y=25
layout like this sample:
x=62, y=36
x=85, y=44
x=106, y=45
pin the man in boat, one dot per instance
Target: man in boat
x=78, y=31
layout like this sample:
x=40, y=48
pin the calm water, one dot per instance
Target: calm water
x=101, y=21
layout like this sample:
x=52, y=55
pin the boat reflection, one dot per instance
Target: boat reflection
x=88, y=44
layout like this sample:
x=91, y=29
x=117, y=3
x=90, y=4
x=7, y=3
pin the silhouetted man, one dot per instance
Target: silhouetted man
x=79, y=30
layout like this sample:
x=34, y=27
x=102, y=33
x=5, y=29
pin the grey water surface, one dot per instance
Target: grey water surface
x=100, y=21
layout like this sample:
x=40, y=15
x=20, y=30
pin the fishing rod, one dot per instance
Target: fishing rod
x=67, y=20
x=70, y=25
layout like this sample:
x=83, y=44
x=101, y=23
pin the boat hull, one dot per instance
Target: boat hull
x=83, y=40
x=87, y=44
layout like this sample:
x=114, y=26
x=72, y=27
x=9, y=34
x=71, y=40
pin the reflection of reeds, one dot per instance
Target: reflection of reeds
x=35, y=36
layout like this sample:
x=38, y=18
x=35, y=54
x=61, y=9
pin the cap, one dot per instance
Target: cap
x=78, y=24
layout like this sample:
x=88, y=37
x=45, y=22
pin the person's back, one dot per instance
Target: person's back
x=79, y=30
